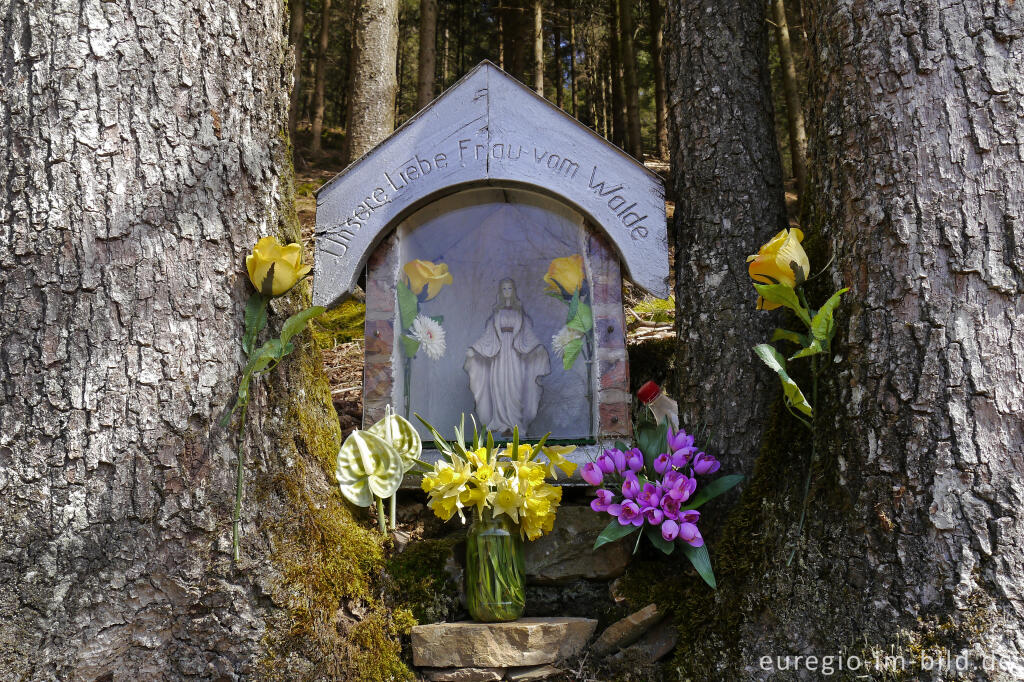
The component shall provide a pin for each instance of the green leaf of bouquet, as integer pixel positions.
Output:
(573, 306)
(714, 489)
(583, 322)
(297, 322)
(410, 346)
(783, 295)
(614, 531)
(572, 350)
(408, 306)
(701, 561)
(255, 320)
(772, 358)
(787, 335)
(812, 349)
(654, 535)
(620, 446)
(821, 325)
(263, 356)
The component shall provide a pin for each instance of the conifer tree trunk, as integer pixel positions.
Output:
(727, 184)
(794, 110)
(557, 82)
(427, 52)
(321, 77)
(298, 41)
(537, 40)
(134, 185)
(371, 104)
(634, 143)
(619, 134)
(572, 62)
(657, 10)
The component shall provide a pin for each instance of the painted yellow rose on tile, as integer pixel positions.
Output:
(423, 273)
(566, 273)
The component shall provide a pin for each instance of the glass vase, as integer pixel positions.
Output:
(494, 569)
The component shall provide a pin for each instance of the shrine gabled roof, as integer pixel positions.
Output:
(489, 129)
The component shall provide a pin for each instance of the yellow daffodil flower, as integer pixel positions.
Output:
(556, 459)
(781, 261)
(474, 497)
(423, 273)
(274, 269)
(565, 272)
(507, 501)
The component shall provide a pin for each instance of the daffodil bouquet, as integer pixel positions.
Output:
(480, 474)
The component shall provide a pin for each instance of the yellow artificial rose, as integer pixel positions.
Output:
(420, 273)
(274, 269)
(781, 261)
(565, 272)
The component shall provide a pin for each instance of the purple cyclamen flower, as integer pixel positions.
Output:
(592, 474)
(661, 463)
(606, 463)
(631, 486)
(603, 501)
(679, 440)
(649, 496)
(653, 515)
(669, 530)
(690, 535)
(635, 459)
(670, 506)
(705, 464)
(629, 513)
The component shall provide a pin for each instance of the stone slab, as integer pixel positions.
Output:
(566, 553)
(533, 674)
(624, 632)
(465, 674)
(525, 642)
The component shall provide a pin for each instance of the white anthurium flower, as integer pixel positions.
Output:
(368, 466)
(400, 435)
(430, 334)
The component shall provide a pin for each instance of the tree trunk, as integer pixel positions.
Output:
(298, 41)
(727, 184)
(794, 111)
(557, 82)
(537, 39)
(634, 142)
(619, 135)
(428, 52)
(572, 63)
(658, 67)
(143, 156)
(913, 544)
(321, 77)
(445, 70)
(501, 37)
(371, 104)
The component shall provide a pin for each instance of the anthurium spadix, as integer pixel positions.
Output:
(366, 467)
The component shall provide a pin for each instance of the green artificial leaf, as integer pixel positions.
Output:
(297, 322)
(255, 320)
(620, 446)
(783, 295)
(651, 439)
(438, 318)
(654, 535)
(714, 489)
(701, 561)
(811, 349)
(786, 335)
(821, 325)
(408, 306)
(794, 396)
(573, 305)
(572, 350)
(583, 322)
(612, 532)
(410, 346)
(263, 356)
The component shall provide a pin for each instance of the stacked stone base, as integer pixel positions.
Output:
(524, 650)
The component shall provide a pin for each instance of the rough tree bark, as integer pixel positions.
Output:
(320, 79)
(144, 152)
(634, 143)
(794, 110)
(657, 10)
(727, 185)
(298, 42)
(557, 70)
(537, 40)
(428, 52)
(371, 105)
(915, 540)
(619, 135)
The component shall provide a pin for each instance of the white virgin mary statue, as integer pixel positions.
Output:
(505, 365)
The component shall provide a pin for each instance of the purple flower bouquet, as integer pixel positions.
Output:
(657, 487)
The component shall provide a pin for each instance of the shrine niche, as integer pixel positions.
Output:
(492, 229)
